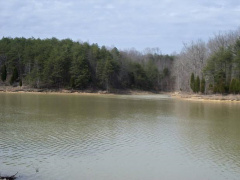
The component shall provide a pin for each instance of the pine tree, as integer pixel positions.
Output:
(232, 86)
(110, 68)
(197, 84)
(14, 76)
(203, 84)
(20, 83)
(72, 83)
(80, 72)
(100, 73)
(237, 86)
(192, 82)
(4, 73)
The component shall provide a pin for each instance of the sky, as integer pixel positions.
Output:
(126, 24)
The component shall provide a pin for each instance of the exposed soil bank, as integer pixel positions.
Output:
(206, 97)
(26, 89)
(179, 95)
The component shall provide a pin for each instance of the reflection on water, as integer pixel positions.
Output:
(118, 137)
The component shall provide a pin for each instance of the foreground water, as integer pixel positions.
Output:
(118, 137)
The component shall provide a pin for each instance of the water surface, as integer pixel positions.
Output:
(120, 137)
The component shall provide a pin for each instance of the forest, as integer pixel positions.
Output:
(210, 67)
(54, 63)
(201, 67)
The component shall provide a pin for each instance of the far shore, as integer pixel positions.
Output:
(25, 89)
(176, 95)
(206, 97)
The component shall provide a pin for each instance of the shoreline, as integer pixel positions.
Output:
(9, 89)
(206, 97)
(174, 95)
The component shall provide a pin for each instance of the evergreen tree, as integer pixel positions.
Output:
(72, 83)
(203, 84)
(80, 72)
(197, 84)
(14, 76)
(237, 86)
(192, 82)
(100, 73)
(140, 77)
(219, 68)
(220, 79)
(4, 73)
(55, 63)
(20, 83)
(153, 74)
(236, 52)
(232, 86)
(111, 67)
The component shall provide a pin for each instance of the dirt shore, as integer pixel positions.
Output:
(26, 89)
(206, 97)
(177, 95)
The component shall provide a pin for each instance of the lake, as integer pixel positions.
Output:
(118, 137)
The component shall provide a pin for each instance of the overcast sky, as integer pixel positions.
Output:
(122, 23)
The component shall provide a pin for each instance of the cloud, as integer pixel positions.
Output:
(125, 24)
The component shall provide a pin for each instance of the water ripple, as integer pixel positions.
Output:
(120, 138)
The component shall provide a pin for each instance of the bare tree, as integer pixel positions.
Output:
(192, 59)
(223, 40)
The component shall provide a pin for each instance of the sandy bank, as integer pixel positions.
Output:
(25, 89)
(206, 97)
(177, 95)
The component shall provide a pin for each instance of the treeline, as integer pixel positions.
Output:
(212, 67)
(53, 63)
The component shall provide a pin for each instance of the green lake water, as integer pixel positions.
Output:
(118, 137)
